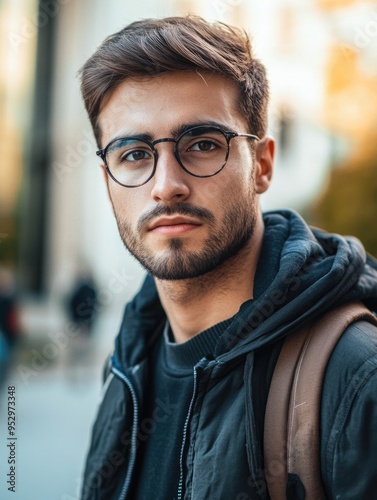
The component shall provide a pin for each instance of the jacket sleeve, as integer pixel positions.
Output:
(354, 468)
(349, 454)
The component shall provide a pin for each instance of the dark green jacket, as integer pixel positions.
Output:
(301, 273)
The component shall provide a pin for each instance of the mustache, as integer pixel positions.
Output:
(178, 209)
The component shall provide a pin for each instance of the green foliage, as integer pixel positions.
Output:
(8, 239)
(349, 204)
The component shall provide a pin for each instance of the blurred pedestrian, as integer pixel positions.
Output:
(81, 308)
(9, 323)
(82, 303)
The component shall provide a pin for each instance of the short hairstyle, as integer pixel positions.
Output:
(153, 47)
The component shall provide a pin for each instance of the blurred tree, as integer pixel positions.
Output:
(349, 203)
(8, 239)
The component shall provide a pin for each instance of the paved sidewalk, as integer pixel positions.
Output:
(55, 408)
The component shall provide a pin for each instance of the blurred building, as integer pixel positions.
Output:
(321, 57)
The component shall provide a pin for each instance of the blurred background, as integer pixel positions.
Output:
(59, 245)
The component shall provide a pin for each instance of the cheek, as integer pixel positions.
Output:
(239, 183)
(243, 165)
(222, 192)
(125, 203)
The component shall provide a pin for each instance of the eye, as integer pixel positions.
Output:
(136, 155)
(203, 145)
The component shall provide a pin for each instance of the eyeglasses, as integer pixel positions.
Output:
(201, 151)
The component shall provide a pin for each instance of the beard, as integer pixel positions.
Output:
(225, 240)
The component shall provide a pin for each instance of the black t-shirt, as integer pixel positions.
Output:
(161, 427)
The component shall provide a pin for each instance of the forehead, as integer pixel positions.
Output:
(160, 104)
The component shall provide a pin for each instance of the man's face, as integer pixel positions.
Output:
(179, 226)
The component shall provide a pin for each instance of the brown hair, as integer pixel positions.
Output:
(153, 47)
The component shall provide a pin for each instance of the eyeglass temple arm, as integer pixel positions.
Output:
(251, 136)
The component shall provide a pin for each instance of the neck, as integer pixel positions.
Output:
(218, 294)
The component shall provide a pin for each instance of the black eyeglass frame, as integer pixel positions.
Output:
(227, 134)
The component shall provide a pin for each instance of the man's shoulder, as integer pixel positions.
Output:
(357, 345)
(355, 355)
(349, 410)
(351, 368)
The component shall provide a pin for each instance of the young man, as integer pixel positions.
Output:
(178, 107)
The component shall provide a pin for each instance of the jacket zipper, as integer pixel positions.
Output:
(180, 484)
(131, 465)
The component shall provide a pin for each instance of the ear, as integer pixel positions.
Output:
(265, 154)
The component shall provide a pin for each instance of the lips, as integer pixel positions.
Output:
(174, 225)
(173, 221)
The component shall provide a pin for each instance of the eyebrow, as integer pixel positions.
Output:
(181, 129)
(175, 132)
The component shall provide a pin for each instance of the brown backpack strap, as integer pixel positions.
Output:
(291, 433)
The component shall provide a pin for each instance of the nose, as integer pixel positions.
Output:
(170, 181)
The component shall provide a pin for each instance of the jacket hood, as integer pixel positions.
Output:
(302, 272)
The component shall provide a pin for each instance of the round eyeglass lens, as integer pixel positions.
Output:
(203, 151)
(130, 161)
